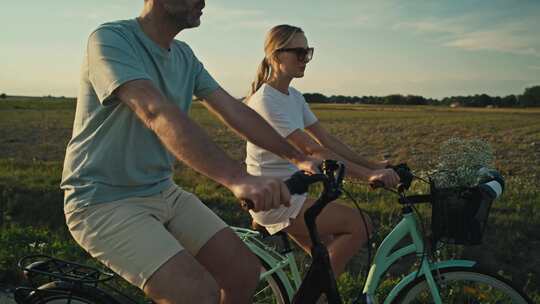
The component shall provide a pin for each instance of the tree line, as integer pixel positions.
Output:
(529, 98)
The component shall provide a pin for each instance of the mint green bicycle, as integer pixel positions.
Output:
(449, 281)
(459, 217)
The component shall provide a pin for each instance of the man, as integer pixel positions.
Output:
(121, 204)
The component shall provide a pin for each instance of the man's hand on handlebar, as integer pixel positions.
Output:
(261, 193)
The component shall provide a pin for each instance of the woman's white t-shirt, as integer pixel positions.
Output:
(285, 113)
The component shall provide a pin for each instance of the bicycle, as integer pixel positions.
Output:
(433, 282)
(449, 281)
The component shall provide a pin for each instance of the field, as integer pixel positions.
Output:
(34, 134)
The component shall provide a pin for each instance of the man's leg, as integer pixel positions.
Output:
(235, 268)
(182, 280)
(215, 246)
(129, 237)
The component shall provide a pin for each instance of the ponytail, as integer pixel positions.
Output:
(263, 73)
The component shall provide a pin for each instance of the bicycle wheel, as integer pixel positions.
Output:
(461, 285)
(270, 290)
(61, 293)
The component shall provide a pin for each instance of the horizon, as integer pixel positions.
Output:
(372, 48)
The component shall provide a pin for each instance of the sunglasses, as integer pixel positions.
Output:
(302, 54)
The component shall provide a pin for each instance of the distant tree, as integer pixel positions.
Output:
(395, 99)
(531, 97)
(509, 101)
(480, 100)
(527, 101)
(3, 96)
(533, 91)
(315, 97)
(415, 100)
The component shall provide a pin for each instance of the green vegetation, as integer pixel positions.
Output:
(529, 98)
(35, 132)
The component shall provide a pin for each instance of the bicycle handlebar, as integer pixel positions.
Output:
(405, 178)
(332, 177)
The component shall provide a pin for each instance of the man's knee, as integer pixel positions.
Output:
(182, 280)
(232, 264)
(248, 269)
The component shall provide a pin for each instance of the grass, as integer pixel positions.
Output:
(35, 132)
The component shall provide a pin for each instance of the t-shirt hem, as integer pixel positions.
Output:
(78, 204)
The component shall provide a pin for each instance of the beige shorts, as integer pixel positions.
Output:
(135, 236)
(275, 220)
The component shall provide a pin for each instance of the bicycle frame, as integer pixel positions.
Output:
(277, 262)
(385, 257)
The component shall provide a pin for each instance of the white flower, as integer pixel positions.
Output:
(460, 161)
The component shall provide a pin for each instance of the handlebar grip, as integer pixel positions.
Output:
(405, 176)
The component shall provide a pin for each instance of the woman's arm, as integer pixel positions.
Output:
(330, 142)
(305, 143)
(251, 126)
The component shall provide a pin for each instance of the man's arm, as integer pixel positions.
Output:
(190, 144)
(251, 126)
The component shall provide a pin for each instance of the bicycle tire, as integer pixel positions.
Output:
(63, 293)
(461, 285)
(271, 290)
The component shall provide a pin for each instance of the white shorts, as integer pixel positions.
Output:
(277, 219)
(135, 236)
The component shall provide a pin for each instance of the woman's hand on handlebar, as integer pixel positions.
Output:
(310, 165)
(387, 178)
(261, 193)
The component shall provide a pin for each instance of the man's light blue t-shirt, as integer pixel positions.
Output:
(112, 155)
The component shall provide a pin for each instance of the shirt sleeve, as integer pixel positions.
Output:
(309, 117)
(205, 84)
(112, 61)
(275, 115)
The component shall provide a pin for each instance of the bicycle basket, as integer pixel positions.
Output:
(459, 215)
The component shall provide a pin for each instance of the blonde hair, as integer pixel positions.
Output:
(278, 37)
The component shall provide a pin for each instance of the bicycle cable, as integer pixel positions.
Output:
(368, 238)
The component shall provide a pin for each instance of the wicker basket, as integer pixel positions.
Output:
(459, 215)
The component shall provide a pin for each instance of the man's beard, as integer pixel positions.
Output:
(187, 18)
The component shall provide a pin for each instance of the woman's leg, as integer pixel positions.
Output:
(341, 226)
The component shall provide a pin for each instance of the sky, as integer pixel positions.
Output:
(362, 47)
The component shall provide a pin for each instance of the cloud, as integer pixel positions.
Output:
(228, 19)
(502, 41)
(426, 26)
(470, 34)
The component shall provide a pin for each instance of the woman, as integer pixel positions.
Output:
(286, 55)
